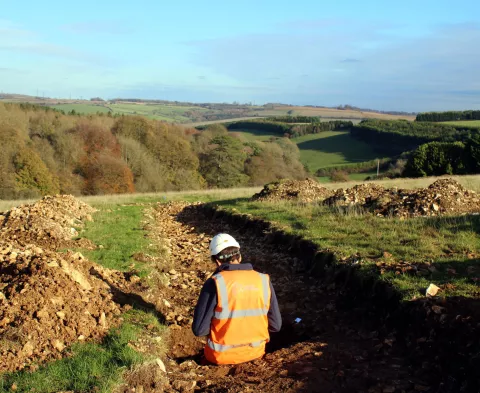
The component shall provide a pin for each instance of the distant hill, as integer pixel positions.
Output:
(190, 113)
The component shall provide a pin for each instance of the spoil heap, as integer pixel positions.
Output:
(445, 196)
(48, 301)
(360, 194)
(297, 190)
(47, 223)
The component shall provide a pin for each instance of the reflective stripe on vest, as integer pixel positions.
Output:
(223, 348)
(226, 313)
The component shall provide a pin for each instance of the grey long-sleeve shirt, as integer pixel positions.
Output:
(207, 301)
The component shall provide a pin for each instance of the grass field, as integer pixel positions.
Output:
(255, 135)
(464, 123)
(82, 108)
(170, 113)
(332, 148)
(326, 149)
(353, 177)
(281, 110)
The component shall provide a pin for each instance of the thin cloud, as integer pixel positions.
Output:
(311, 24)
(16, 39)
(12, 70)
(427, 71)
(99, 27)
(52, 50)
(12, 31)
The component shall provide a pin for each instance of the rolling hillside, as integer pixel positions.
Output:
(332, 148)
(323, 150)
(192, 114)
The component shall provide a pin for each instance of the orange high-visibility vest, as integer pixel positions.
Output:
(239, 328)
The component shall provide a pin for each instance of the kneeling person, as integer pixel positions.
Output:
(237, 307)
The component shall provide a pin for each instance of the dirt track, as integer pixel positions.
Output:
(331, 350)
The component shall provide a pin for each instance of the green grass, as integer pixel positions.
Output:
(463, 123)
(325, 149)
(255, 135)
(361, 176)
(91, 367)
(355, 177)
(172, 113)
(447, 242)
(81, 108)
(118, 230)
(332, 148)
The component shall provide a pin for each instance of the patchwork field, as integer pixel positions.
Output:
(195, 115)
(331, 113)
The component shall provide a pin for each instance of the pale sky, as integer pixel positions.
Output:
(409, 55)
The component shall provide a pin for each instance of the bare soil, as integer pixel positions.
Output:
(49, 299)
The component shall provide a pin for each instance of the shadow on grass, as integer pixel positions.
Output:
(455, 223)
(342, 144)
(132, 299)
(279, 215)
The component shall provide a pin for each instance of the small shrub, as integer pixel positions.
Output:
(339, 176)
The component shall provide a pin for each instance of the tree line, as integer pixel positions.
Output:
(47, 152)
(449, 116)
(290, 130)
(392, 137)
(295, 119)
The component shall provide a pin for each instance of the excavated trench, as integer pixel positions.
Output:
(332, 349)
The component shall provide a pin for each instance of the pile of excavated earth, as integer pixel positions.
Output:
(294, 190)
(49, 223)
(444, 196)
(48, 299)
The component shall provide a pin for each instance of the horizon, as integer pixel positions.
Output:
(407, 57)
(134, 99)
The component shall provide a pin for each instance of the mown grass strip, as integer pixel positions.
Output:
(450, 244)
(118, 233)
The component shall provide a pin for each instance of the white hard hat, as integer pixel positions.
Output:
(220, 242)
